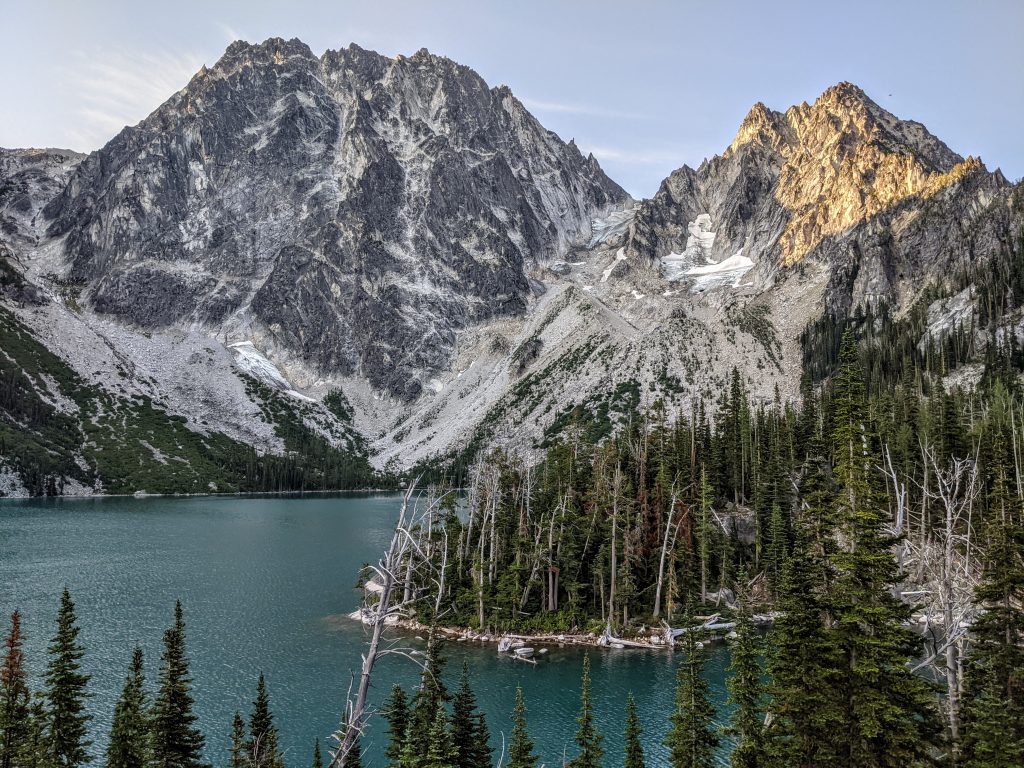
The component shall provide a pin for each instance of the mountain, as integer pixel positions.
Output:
(300, 266)
(350, 212)
(879, 201)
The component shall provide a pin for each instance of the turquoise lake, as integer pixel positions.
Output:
(265, 583)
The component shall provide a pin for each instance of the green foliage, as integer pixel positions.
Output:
(995, 666)
(430, 697)
(262, 749)
(177, 743)
(520, 748)
(396, 712)
(746, 693)
(130, 733)
(440, 749)
(633, 749)
(470, 736)
(692, 739)
(587, 737)
(132, 444)
(66, 694)
(239, 755)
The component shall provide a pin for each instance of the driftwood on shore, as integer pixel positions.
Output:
(663, 640)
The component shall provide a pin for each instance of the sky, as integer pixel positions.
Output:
(646, 86)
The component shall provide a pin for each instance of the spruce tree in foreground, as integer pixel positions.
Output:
(693, 739)
(177, 743)
(318, 760)
(520, 748)
(396, 712)
(429, 697)
(633, 749)
(469, 727)
(587, 737)
(239, 758)
(803, 661)
(994, 716)
(745, 692)
(37, 746)
(441, 750)
(262, 748)
(889, 717)
(15, 700)
(130, 735)
(66, 692)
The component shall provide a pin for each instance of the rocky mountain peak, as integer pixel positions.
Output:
(794, 184)
(349, 214)
(763, 127)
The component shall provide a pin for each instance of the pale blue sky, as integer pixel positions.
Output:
(646, 86)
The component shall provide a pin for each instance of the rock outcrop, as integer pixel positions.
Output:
(877, 199)
(351, 212)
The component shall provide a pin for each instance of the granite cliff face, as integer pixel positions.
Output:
(349, 212)
(411, 266)
(879, 201)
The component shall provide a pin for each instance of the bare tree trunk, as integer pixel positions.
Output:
(379, 614)
(615, 536)
(664, 553)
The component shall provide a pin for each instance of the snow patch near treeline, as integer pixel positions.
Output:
(694, 267)
(250, 360)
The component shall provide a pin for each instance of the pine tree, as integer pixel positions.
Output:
(745, 692)
(994, 716)
(469, 727)
(239, 756)
(15, 701)
(587, 737)
(262, 747)
(396, 712)
(889, 713)
(633, 748)
(37, 750)
(130, 733)
(803, 665)
(66, 692)
(441, 750)
(692, 740)
(430, 696)
(177, 743)
(520, 748)
(318, 761)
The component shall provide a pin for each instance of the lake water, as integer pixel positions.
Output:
(265, 582)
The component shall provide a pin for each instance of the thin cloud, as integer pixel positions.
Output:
(536, 105)
(668, 157)
(115, 88)
(231, 34)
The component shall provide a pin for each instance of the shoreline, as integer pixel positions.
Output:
(655, 642)
(211, 494)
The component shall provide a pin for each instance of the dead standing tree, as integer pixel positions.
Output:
(943, 560)
(953, 570)
(409, 559)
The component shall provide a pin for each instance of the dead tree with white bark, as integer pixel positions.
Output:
(417, 554)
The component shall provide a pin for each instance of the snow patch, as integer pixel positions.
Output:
(620, 256)
(250, 360)
(698, 245)
(727, 272)
(945, 315)
(610, 225)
